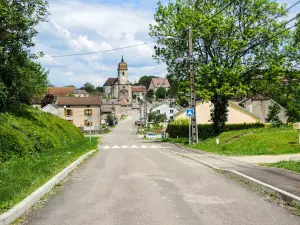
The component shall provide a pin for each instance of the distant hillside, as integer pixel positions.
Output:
(27, 130)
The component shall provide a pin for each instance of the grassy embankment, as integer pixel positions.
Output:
(260, 141)
(34, 146)
(289, 165)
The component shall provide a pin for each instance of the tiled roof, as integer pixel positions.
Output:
(138, 88)
(77, 101)
(60, 91)
(160, 82)
(110, 81)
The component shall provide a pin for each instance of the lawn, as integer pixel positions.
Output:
(259, 141)
(289, 165)
(21, 176)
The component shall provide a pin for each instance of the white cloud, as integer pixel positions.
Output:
(79, 27)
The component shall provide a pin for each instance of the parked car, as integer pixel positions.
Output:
(151, 135)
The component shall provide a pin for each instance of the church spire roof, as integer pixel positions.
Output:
(122, 65)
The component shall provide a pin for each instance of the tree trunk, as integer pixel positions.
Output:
(219, 112)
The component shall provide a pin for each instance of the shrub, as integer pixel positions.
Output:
(26, 130)
(181, 130)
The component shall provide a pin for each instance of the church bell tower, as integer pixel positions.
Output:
(122, 72)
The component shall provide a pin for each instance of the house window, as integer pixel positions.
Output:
(123, 73)
(68, 112)
(171, 111)
(158, 111)
(88, 123)
(88, 112)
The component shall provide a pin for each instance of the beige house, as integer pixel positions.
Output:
(78, 110)
(159, 82)
(236, 114)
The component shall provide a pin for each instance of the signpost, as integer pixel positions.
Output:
(190, 113)
(297, 127)
(90, 120)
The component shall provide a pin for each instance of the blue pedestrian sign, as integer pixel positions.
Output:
(190, 112)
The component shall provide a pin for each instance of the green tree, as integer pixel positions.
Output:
(145, 81)
(150, 94)
(99, 89)
(20, 77)
(239, 44)
(89, 87)
(48, 99)
(273, 115)
(160, 93)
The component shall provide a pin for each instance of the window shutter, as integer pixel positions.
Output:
(85, 121)
(71, 112)
(91, 112)
(85, 112)
(91, 123)
(65, 112)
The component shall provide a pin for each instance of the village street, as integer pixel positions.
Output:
(139, 182)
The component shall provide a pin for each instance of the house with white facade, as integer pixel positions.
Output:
(166, 108)
(80, 93)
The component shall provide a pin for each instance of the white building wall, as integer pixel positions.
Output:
(107, 90)
(165, 109)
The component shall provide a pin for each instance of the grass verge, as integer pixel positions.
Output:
(260, 141)
(19, 177)
(289, 165)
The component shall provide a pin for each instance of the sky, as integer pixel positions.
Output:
(79, 26)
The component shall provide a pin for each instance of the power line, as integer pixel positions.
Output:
(108, 50)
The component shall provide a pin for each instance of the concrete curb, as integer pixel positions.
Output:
(279, 193)
(22, 207)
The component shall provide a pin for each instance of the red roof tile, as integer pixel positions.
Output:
(79, 101)
(160, 82)
(60, 91)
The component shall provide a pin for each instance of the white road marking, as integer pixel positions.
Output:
(134, 146)
(144, 146)
(115, 146)
(106, 147)
(124, 146)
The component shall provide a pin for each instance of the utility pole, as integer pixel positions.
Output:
(145, 115)
(194, 127)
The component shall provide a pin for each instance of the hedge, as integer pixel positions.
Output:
(26, 130)
(206, 130)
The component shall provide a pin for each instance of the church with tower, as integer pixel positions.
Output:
(119, 88)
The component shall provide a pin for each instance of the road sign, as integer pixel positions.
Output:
(190, 112)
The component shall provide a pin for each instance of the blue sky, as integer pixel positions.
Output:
(77, 26)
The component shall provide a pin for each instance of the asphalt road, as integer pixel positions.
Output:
(130, 182)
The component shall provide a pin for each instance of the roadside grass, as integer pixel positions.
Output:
(19, 177)
(289, 165)
(259, 141)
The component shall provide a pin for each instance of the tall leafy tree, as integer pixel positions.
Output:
(160, 93)
(234, 43)
(145, 81)
(20, 76)
(89, 87)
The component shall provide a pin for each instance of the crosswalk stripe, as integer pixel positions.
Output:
(106, 147)
(134, 146)
(144, 146)
(125, 146)
(115, 146)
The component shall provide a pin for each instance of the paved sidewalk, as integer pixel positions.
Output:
(279, 178)
(268, 158)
